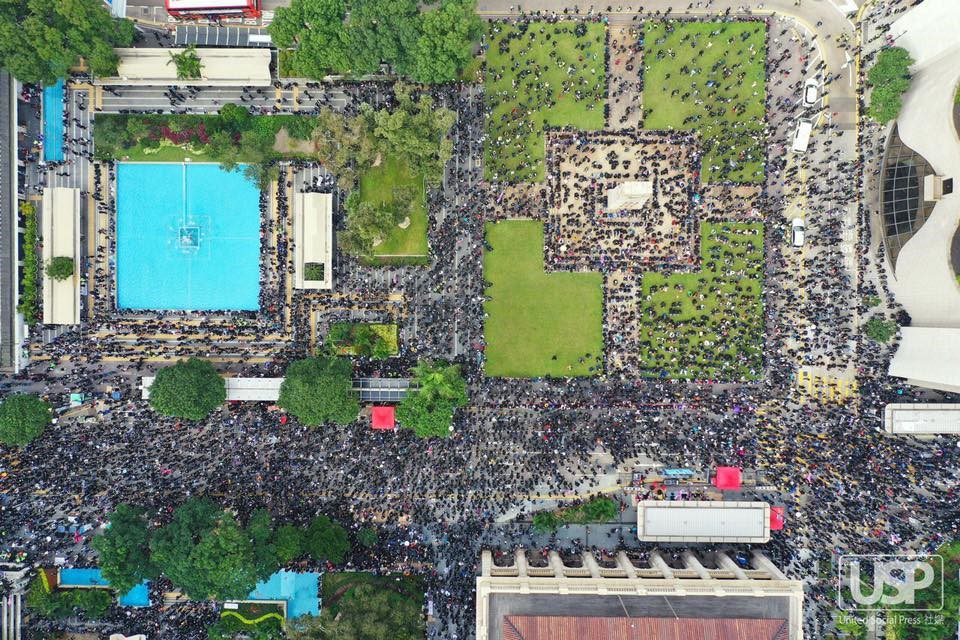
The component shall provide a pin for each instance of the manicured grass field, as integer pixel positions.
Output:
(708, 325)
(538, 324)
(527, 72)
(709, 76)
(376, 186)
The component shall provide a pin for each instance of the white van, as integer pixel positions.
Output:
(801, 137)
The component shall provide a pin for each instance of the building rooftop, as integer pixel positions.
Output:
(624, 628)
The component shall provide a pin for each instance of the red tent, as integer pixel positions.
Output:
(777, 518)
(382, 418)
(727, 478)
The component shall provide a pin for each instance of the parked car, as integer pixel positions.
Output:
(797, 227)
(811, 92)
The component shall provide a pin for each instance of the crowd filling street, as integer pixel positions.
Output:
(520, 444)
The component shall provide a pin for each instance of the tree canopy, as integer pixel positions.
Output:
(880, 329)
(431, 46)
(188, 63)
(124, 549)
(416, 130)
(41, 40)
(23, 417)
(325, 540)
(205, 552)
(320, 390)
(364, 613)
(890, 79)
(189, 389)
(60, 267)
(445, 45)
(428, 408)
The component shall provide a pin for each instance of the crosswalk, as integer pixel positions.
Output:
(825, 388)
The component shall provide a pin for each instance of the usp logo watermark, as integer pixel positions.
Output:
(867, 583)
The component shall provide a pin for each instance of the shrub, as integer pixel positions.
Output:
(880, 329)
(60, 267)
(31, 262)
(313, 271)
(890, 79)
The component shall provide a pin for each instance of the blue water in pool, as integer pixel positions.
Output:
(298, 589)
(188, 238)
(53, 122)
(139, 596)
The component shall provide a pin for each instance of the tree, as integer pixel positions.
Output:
(60, 267)
(188, 63)
(23, 417)
(364, 613)
(415, 130)
(386, 30)
(890, 79)
(189, 389)
(880, 329)
(93, 602)
(40, 41)
(322, 44)
(124, 549)
(223, 563)
(368, 537)
(428, 408)
(440, 380)
(320, 390)
(447, 37)
(427, 419)
(205, 552)
(260, 531)
(289, 543)
(326, 541)
(170, 545)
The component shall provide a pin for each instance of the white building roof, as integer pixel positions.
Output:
(242, 389)
(313, 238)
(703, 521)
(922, 419)
(927, 357)
(220, 66)
(629, 196)
(60, 231)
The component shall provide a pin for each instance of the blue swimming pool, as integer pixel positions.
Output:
(82, 578)
(300, 590)
(188, 238)
(53, 122)
(139, 596)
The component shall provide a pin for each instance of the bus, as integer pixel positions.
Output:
(801, 138)
(213, 9)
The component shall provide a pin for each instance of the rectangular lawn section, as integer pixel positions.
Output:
(538, 324)
(376, 186)
(707, 325)
(710, 77)
(537, 74)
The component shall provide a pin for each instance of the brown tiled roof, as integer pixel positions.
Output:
(587, 628)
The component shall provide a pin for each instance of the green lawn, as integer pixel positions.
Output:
(680, 59)
(376, 186)
(335, 586)
(708, 325)
(537, 323)
(543, 77)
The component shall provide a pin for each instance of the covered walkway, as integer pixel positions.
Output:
(268, 389)
(219, 67)
(61, 238)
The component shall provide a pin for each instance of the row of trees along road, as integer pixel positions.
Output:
(429, 46)
(41, 39)
(206, 552)
(317, 391)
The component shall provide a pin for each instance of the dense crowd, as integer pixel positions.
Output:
(846, 485)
